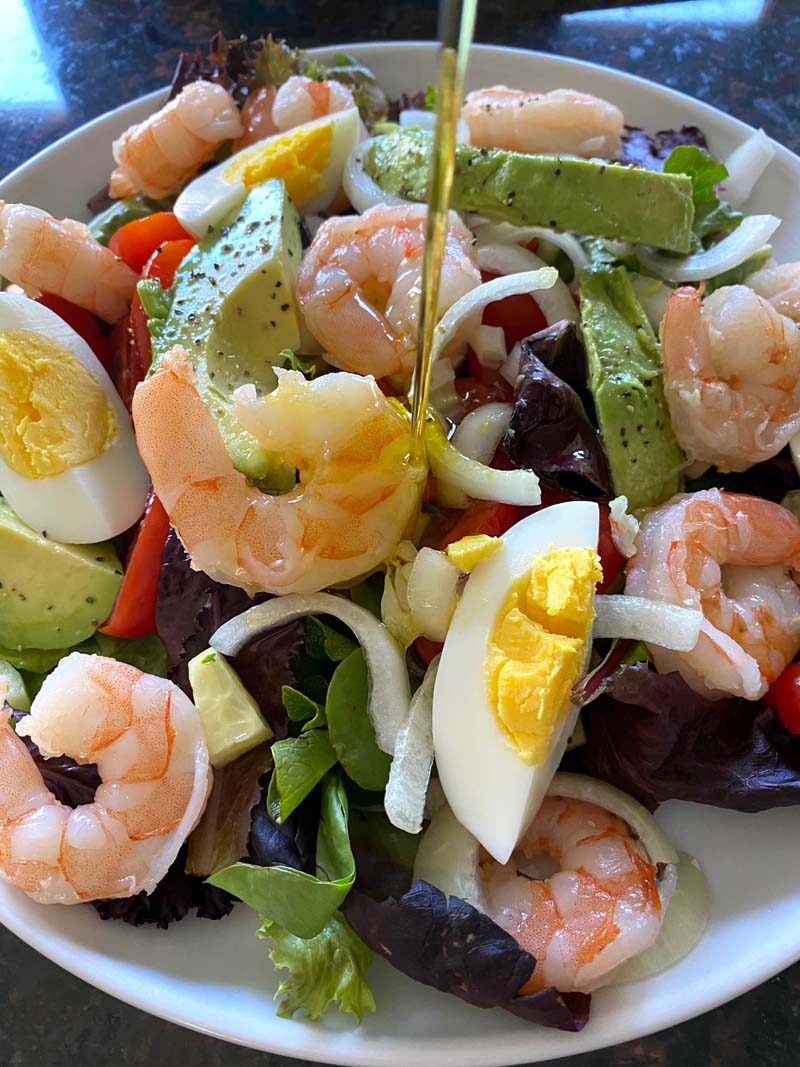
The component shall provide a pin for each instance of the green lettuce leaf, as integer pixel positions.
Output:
(737, 275)
(323, 642)
(325, 970)
(351, 732)
(121, 212)
(301, 708)
(711, 215)
(17, 695)
(147, 653)
(302, 903)
(300, 764)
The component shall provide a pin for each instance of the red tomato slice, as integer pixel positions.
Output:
(134, 613)
(137, 241)
(517, 316)
(82, 322)
(784, 696)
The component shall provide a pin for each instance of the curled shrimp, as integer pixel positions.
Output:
(302, 99)
(356, 492)
(729, 556)
(60, 256)
(257, 117)
(780, 284)
(561, 122)
(731, 376)
(158, 156)
(602, 907)
(146, 738)
(359, 285)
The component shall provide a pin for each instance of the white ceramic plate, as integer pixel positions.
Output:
(215, 977)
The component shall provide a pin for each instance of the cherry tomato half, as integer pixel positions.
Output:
(136, 241)
(784, 696)
(517, 316)
(82, 322)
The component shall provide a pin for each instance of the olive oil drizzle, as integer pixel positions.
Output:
(456, 27)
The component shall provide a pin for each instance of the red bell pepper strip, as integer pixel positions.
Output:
(134, 612)
(136, 242)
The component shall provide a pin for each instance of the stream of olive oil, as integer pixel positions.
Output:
(456, 26)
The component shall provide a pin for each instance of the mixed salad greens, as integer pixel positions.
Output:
(259, 656)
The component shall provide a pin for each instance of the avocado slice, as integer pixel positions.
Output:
(16, 695)
(231, 718)
(51, 595)
(624, 362)
(232, 307)
(623, 203)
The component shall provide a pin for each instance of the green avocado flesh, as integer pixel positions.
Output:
(623, 203)
(624, 363)
(232, 308)
(51, 595)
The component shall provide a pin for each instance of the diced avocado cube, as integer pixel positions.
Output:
(231, 719)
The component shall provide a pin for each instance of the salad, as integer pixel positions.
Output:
(254, 653)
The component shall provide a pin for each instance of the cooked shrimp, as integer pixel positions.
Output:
(60, 256)
(780, 284)
(561, 122)
(603, 906)
(157, 156)
(301, 100)
(146, 738)
(359, 285)
(731, 376)
(257, 117)
(729, 556)
(356, 491)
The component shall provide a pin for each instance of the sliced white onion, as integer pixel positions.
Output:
(361, 190)
(753, 233)
(396, 615)
(624, 527)
(653, 295)
(389, 692)
(745, 165)
(476, 479)
(506, 233)
(432, 592)
(639, 619)
(406, 790)
(443, 396)
(479, 433)
(682, 927)
(555, 301)
(489, 345)
(510, 369)
(459, 321)
(426, 120)
(447, 858)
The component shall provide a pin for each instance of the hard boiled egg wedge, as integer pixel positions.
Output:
(69, 466)
(310, 160)
(517, 643)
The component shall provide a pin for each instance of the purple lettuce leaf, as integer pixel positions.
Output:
(220, 838)
(550, 432)
(291, 843)
(655, 738)
(642, 149)
(173, 898)
(448, 944)
(190, 607)
(71, 783)
(772, 479)
(265, 665)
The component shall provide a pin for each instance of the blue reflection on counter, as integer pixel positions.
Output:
(26, 78)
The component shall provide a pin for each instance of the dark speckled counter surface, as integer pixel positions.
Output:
(65, 61)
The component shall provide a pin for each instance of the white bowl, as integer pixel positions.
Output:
(215, 977)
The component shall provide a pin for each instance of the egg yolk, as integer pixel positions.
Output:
(54, 414)
(299, 157)
(537, 647)
(468, 552)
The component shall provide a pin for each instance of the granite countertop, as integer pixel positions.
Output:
(66, 61)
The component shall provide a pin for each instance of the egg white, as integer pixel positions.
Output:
(210, 197)
(91, 501)
(491, 790)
